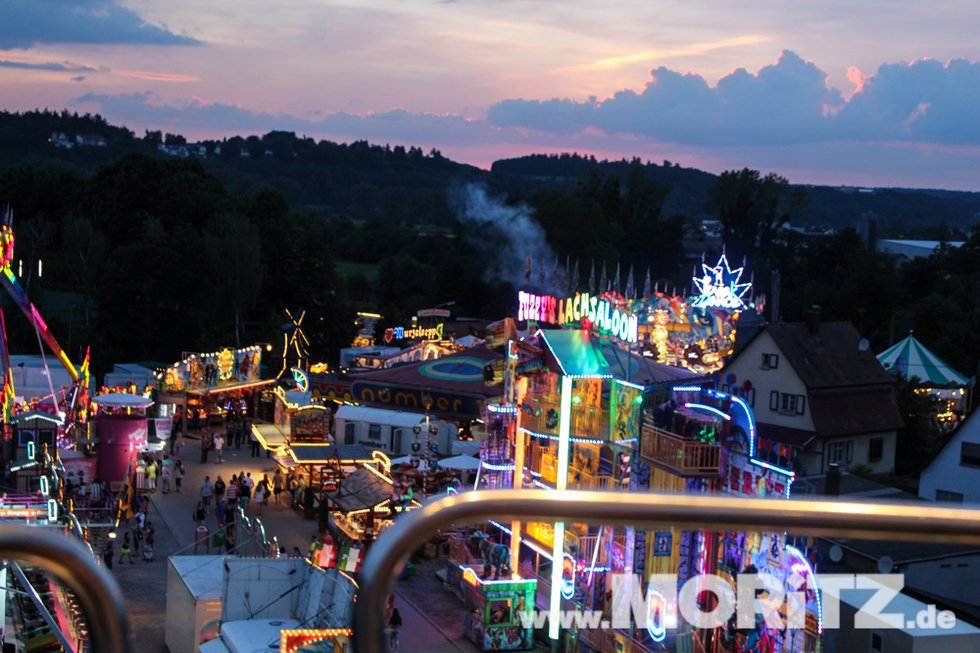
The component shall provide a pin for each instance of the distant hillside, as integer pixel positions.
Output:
(898, 210)
(407, 186)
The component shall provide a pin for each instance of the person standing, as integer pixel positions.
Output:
(219, 444)
(255, 443)
(151, 477)
(205, 447)
(165, 473)
(395, 627)
(277, 484)
(108, 551)
(207, 490)
(178, 475)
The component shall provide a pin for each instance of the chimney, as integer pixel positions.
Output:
(813, 319)
(831, 486)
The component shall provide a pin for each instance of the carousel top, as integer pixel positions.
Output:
(122, 400)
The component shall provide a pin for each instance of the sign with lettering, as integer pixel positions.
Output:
(720, 287)
(411, 333)
(412, 399)
(580, 309)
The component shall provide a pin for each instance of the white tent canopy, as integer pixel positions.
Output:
(909, 358)
(468, 463)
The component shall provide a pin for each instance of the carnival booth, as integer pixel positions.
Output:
(121, 426)
(296, 418)
(210, 389)
(910, 359)
(495, 599)
(364, 504)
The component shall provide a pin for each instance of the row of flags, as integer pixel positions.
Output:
(347, 558)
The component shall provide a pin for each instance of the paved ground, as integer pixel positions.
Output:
(432, 616)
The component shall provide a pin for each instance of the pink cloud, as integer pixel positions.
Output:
(157, 77)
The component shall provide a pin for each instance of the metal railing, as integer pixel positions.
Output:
(72, 564)
(643, 510)
(686, 456)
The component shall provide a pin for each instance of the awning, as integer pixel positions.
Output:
(230, 387)
(362, 490)
(270, 436)
(313, 454)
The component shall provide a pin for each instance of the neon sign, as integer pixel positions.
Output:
(302, 381)
(401, 333)
(720, 287)
(568, 577)
(582, 308)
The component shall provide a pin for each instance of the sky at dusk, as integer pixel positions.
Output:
(867, 93)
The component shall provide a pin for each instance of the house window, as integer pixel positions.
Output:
(945, 496)
(876, 449)
(374, 431)
(786, 403)
(877, 643)
(840, 452)
(770, 361)
(970, 454)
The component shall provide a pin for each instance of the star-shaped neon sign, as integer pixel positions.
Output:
(720, 287)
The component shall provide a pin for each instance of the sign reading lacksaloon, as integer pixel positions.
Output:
(582, 308)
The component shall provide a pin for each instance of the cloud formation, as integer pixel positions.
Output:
(24, 23)
(907, 121)
(786, 103)
(66, 67)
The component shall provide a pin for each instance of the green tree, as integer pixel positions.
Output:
(752, 208)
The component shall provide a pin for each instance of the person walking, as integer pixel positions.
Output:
(395, 627)
(200, 513)
(126, 551)
(260, 495)
(219, 444)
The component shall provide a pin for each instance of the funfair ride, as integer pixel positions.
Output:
(68, 407)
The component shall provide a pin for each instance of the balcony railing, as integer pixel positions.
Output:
(643, 510)
(686, 457)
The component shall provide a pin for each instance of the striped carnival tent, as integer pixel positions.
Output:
(909, 358)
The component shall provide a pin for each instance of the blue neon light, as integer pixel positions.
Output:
(710, 409)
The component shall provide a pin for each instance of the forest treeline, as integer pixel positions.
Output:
(147, 255)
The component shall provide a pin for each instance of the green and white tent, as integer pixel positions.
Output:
(910, 358)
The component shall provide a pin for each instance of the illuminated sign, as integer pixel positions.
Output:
(568, 577)
(582, 308)
(401, 333)
(19, 513)
(302, 381)
(720, 287)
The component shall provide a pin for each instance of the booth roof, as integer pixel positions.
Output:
(378, 416)
(459, 373)
(362, 489)
(122, 400)
(305, 454)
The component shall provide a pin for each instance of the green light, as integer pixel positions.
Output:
(638, 399)
(577, 399)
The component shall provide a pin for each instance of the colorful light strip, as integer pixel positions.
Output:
(564, 446)
(810, 577)
(710, 409)
(558, 437)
